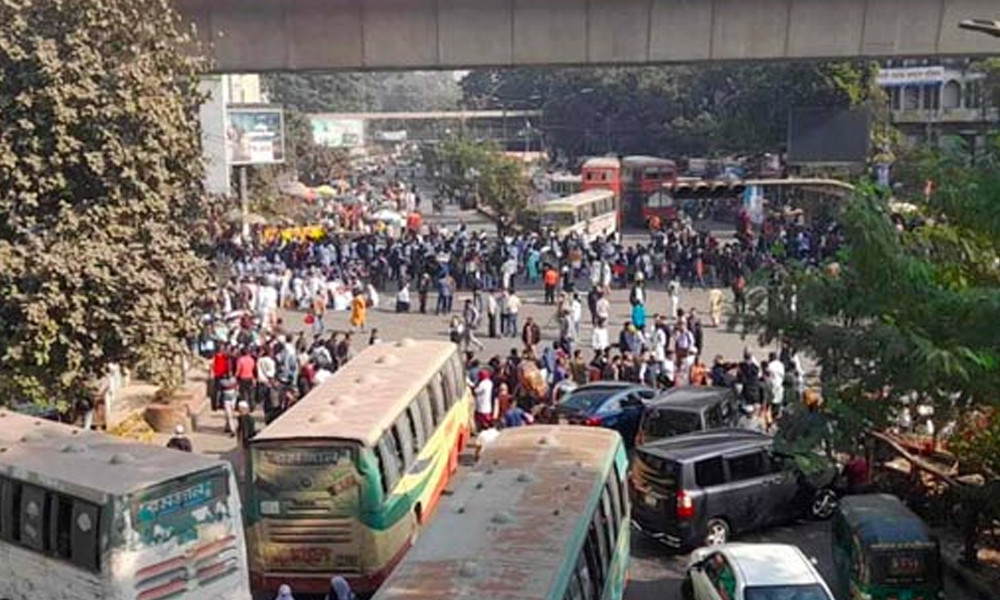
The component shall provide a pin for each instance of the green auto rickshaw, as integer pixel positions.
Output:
(882, 551)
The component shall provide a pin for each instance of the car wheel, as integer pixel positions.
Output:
(823, 505)
(687, 589)
(716, 532)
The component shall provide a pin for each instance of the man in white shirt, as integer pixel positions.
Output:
(484, 401)
(513, 308)
(603, 308)
(775, 372)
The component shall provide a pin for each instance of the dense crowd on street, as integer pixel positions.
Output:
(257, 361)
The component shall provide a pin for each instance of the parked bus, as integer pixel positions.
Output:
(562, 184)
(544, 516)
(340, 482)
(644, 183)
(84, 515)
(588, 214)
(602, 173)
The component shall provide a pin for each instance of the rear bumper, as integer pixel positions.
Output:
(680, 537)
(319, 583)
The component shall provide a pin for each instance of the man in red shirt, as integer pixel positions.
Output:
(220, 369)
(246, 374)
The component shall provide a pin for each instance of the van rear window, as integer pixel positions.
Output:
(663, 423)
(661, 474)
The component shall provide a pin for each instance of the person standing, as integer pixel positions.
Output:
(715, 299)
(423, 288)
(318, 312)
(674, 291)
(775, 374)
(513, 309)
(551, 280)
(246, 374)
(576, 314)
(340, 590)
(359, 311)
(245, 426)
(230, 393)
(220, 370)
(484, 401)
(492, 311)
(531, 334)
(740, 294)
(266, 371)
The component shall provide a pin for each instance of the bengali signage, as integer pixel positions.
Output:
(910, 76)
(307, 458)
(255, 135)
(337, 133)
(174, 502)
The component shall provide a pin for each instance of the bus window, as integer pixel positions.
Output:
(32, 514)
(610, 523)
(60, 526)
(404, 440)
(86, 530)
(586, 577)
(426, 416)
(595, 560)
(611, 488)
(388, 462)
(416, 427)
(574, 589)
(438, 404)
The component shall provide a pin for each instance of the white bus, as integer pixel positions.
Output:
(588, 214)
(86, 516)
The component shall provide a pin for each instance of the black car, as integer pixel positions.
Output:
(688, 410)
(699, 489)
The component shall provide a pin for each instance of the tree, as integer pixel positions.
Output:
(466, 167)
(100, 171)
(906, 315)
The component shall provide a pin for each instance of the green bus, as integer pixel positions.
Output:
(544, 515)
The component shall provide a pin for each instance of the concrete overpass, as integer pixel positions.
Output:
(263, 35)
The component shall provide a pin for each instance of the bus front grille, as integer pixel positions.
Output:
(309, 531)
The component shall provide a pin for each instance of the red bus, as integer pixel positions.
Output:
(646, 181)
(604, 173)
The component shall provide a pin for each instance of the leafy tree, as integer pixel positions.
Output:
(100, 170)
(466, 167)
(906, 315)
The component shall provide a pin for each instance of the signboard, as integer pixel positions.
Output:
(910, 76)
(255, 135)
(337, 133)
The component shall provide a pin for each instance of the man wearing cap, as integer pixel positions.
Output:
(180, 441)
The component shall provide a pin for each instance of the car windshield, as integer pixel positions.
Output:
(662, 423)
(786, 592)
(585, 400)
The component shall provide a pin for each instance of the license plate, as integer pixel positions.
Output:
(650, 500)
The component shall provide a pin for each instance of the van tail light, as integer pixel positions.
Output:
(592, 422)
(685, 505)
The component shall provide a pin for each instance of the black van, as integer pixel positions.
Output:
(699, 489)
(688, 409)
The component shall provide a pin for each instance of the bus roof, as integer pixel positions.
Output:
(601, 162)
(647, 161)
(364, 397)
(573, 201)
(504, 532)
(88, 464)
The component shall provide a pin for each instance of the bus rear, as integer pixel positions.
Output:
(186, 539)
(315, 512)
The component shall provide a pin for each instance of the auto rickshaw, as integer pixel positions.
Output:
(883, 551)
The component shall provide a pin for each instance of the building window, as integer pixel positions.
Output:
(951, 95)
(911, 98)
(932, 97)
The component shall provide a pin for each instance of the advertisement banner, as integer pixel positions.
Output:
(910, 76)
(255, 135)
(337, 133)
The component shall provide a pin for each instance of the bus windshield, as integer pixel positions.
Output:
(174, 510)
(310, 481)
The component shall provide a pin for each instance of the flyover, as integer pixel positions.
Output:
(266, 35)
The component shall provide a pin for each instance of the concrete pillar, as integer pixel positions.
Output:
(213, 134)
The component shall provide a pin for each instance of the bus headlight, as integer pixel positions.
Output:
(270, 507)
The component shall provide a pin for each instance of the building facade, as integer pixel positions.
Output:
(939, 102)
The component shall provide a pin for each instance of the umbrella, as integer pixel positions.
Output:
(296, 188)
(327, 191)
(388, 216)
(236, 216)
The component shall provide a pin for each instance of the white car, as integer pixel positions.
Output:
(753, 572)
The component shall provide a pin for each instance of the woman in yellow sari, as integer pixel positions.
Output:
(359, 311)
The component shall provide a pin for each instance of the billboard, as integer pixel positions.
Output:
(337, 132)
(831, 136)
(910, 76)
(255, 134)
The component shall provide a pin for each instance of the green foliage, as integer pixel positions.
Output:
(910, 314)
(670, 110)
(100, 170)
(469, 167)
(363, 92)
